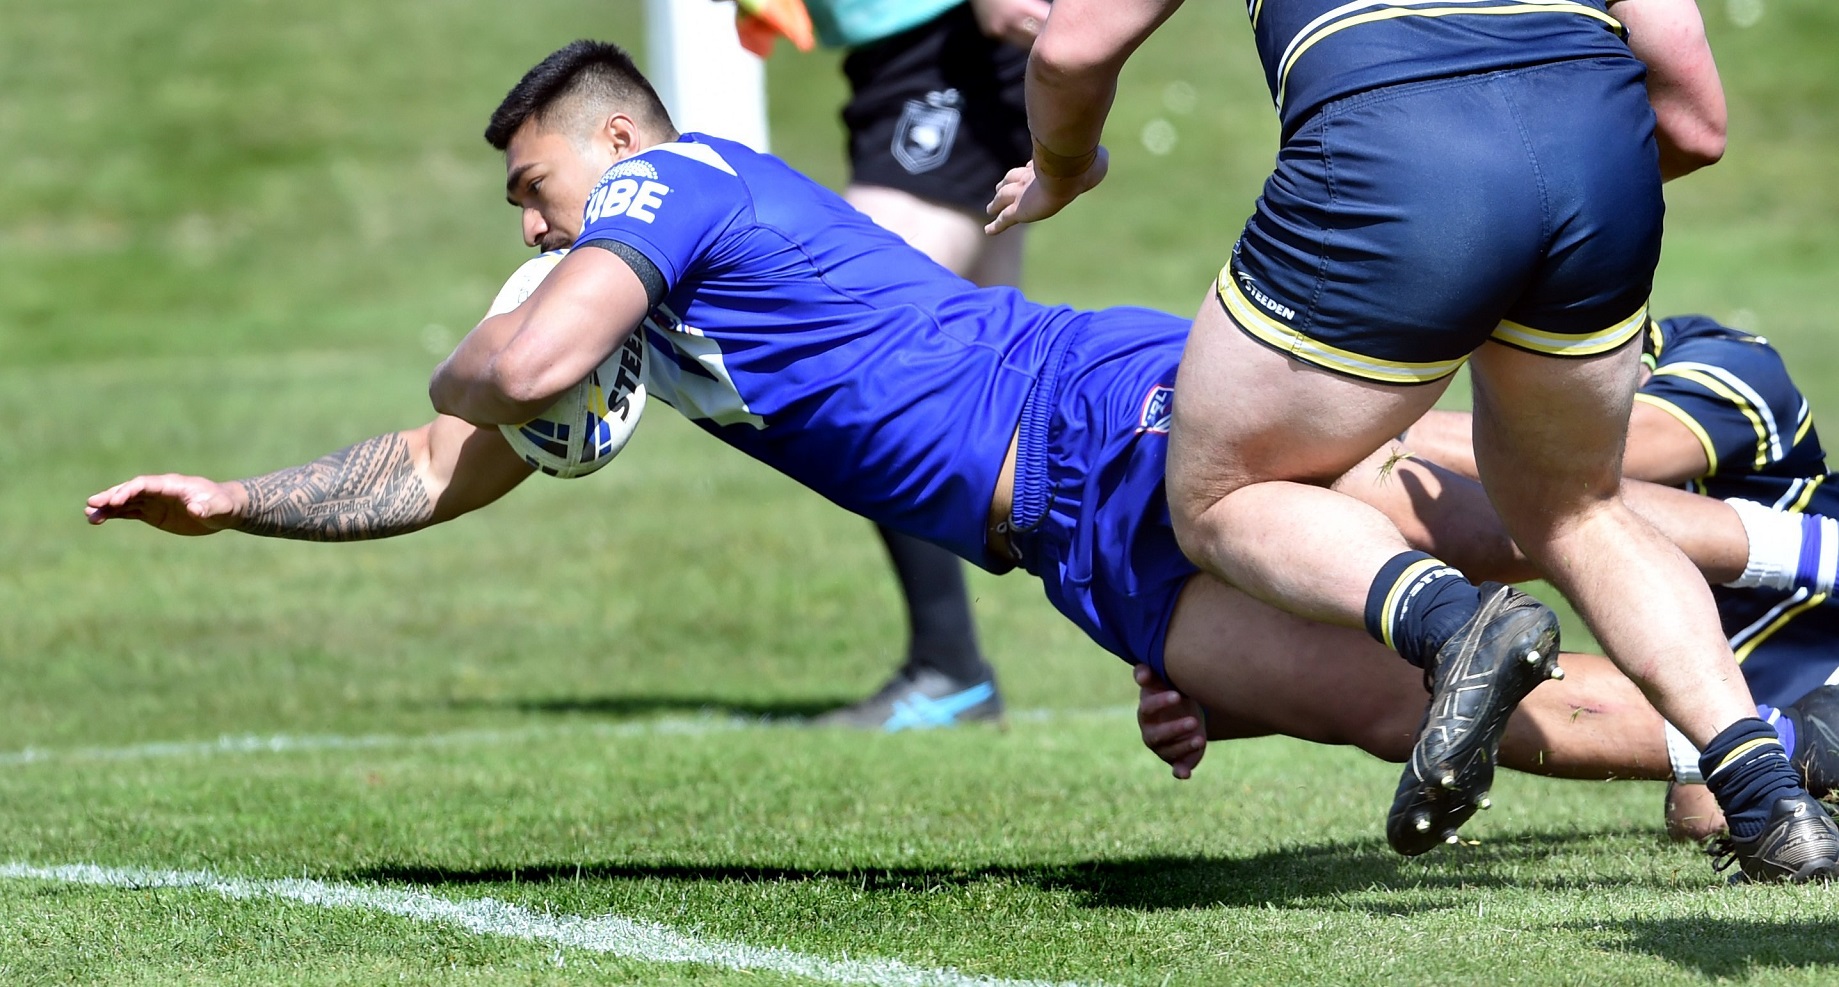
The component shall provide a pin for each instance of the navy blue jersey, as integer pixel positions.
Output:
(1732, 391)
(802, 334)
(1315, 51)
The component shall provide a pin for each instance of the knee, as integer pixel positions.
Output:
(1535, 525)
(1189, 506)
(1387, 734)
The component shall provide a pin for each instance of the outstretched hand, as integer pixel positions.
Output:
(181, 505)
(1025, 196)
(1173, 725)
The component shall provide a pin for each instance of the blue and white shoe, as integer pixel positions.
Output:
(921, 700)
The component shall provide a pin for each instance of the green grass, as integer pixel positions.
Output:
(234, 235)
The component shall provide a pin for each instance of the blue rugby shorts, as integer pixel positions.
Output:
(1091, 514)
(1406, 226)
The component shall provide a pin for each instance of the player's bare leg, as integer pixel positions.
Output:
(1261, 671)
(953, 237)
(1451, 517)
(1548, 445)
(1257, 437)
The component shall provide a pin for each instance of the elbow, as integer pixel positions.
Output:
(502, 394)
(1706, 148)
(525, 386)
(1693, 141)
(1058, 63)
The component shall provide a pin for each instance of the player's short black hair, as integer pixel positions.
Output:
(600, 72)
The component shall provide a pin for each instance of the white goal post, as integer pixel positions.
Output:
(706, 79)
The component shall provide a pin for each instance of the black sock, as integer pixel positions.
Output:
(1417, 603)
(943, 636)
(1747, 770)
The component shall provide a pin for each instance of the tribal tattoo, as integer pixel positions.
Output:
(368, 490)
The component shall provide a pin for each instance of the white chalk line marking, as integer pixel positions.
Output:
(611, 934)
(230, 744)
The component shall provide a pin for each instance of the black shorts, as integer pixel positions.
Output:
(937, 111)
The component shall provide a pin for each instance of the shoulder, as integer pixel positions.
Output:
(679, 178)
(1696, 344)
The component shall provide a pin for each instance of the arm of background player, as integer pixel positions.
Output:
(513, 366)
(1682, 81)
(1446, 438)
(390, 485)
(1071, 82)
(1661, 448)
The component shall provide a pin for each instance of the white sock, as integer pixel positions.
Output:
(1787, 551)
(1685, 758)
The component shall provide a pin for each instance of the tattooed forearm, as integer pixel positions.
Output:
(369, 490)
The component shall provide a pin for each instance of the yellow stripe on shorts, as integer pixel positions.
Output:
(1561, 344)
(1260, 326)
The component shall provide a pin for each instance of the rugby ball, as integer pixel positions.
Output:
(591, 422)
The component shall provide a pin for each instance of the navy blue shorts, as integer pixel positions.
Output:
(1091, 514)
(1406, 226)
(1787, 644)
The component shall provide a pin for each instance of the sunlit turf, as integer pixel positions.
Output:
(236, 235)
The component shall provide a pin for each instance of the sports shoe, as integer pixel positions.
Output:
(1481, 674)
(921, 699)
(1816, 740)
(1799, 844)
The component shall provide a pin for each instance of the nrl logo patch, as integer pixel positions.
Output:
(1158, 410)
(924, 135)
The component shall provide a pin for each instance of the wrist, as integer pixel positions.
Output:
(1049, 163)
(237, 492)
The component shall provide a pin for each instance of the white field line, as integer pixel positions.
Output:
(613, 934)
(295, 743)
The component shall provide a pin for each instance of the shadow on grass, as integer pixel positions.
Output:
(1727, 948)
(634, 707)
(1330, 875)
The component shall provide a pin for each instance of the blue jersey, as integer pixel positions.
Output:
(1733, 392)
(809, 338)
(1315, 51)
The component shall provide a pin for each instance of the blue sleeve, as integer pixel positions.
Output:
(1734, 393)
(671, 203)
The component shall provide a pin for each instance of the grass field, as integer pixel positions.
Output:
(545, 745)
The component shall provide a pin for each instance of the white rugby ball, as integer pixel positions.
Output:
(591, 422)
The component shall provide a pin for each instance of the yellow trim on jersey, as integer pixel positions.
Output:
(1777, 624)
(1263, 328)
(1711, 452)
(1650, 354)
(1800, 503)
(1571, 345)
(1805, 426)
(1742, 749)
(1726, 392)
(1257, 8)
(1406, 578)
(1324, 26)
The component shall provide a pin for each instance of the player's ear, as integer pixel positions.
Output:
(622, 135)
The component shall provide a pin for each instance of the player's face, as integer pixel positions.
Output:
(549, 175)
